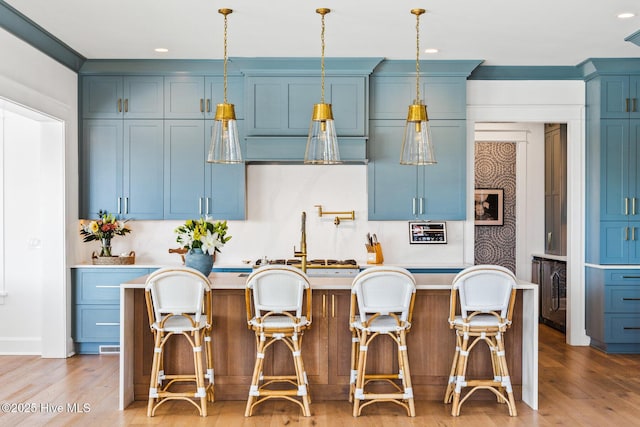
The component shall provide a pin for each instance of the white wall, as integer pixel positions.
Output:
(32, 79)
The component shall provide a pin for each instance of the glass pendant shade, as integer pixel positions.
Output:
(322, 143)
(225, 142)
(417, 147)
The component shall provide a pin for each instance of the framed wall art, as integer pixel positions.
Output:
(489, 206)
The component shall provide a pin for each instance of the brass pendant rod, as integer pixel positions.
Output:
(225, 12)
(417, 12)
(322, 11)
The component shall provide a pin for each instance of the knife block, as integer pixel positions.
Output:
(374, 254)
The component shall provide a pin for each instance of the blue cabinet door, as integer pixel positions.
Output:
(143, 169)
(102, 97)
(225, 185)
(392, 187)
(282, 105)
(184, 169)
(214, 94)
(614, 158)
(445, 97)
(143, 97)
(619, 97)
(443, 186)
(112, 97)
(101, 153)
(184, 98)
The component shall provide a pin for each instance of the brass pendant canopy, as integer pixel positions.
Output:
(225, 141)
(417, 146)
(322, 143)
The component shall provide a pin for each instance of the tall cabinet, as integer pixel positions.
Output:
(613, 204)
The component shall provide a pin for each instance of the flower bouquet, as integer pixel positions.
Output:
(202, 239)
(103, 229)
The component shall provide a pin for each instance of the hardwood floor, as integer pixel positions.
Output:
(579, 386)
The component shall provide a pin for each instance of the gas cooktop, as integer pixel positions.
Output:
(318, 267)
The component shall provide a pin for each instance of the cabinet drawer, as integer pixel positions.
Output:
(102, 286)
(97, 323)
(622, 277)
(622, 328)
(622, 299)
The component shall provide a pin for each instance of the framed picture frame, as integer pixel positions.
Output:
(489, 206)
(427, 232)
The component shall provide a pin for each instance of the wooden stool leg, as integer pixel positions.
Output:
(211, 397)
(300, 375)
(448, 395)
(254, 390)
(406, 372)
(201, 392)
(358, 393)
(461, 370)
(155, 368)
(506, 379)
(355, 341)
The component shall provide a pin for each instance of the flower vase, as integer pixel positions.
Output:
(198, 260)
(105, 250)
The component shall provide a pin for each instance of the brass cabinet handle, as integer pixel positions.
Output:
(549, 234)
(633, 206)
(126, 105)
(633, 233)
(119, 105)
(626, 233)
(324, 305)
(208, 105)
(626, 105)
(333, 305)
(201, 105)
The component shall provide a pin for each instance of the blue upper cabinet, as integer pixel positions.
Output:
(117, 97)
(400, 192)
(196, 97)
(445, 97)
(194, 188)
(619, 97)
(122, 168)
(282, 105)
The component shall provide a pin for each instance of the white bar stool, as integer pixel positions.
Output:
(274, 300)
(382, 301)
(487, 295)
(179, 303)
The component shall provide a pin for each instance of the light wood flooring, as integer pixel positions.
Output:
(579, 386)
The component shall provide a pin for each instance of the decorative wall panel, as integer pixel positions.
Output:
(495, 167)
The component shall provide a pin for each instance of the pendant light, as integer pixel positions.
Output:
(417, 147)
(225, 142)
(322, 143)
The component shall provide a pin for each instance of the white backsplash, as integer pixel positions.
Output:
(276, 197)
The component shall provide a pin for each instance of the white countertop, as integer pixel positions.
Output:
(234, 280)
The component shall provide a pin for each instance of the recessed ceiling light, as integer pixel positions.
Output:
(431, 50)
(161, 50)
(626, 15)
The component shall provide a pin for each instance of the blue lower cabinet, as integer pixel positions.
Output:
(613, 309)
(96, 307)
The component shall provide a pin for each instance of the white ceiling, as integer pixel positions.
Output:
(500, 32)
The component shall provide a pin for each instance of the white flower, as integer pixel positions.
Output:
(210, 242)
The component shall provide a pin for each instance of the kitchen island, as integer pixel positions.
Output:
(327, 346)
